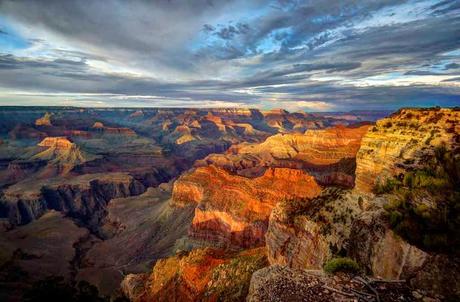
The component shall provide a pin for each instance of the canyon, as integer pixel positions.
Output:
(230, 204)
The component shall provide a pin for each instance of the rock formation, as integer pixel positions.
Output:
(83, 196)
(232, 210)
(327, 154)
(398, 142)
(201, 275)
(44, 121)
(380, 222)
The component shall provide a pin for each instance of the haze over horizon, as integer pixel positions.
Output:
(295, 55)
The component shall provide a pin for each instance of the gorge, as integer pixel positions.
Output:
(230, 204)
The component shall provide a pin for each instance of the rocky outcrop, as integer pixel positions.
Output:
(201, 275)
(234, 210)
(44, 121)
(280, 283)
(146, 226)
(61, 154)
(327, 154)
(84, 197)
(399, 141)
(304, 234)
(386, 255)
(113, 130)
(59, 143)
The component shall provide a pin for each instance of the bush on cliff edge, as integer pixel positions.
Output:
(342, 264)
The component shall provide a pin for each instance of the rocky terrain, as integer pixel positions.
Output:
(231, 210)
(231, 204)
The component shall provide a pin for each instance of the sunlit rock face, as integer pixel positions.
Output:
(234, 210)
(399, 141)
(361, 225)
(326, 154)
(200, 275)
(304, 234)
(44, 121)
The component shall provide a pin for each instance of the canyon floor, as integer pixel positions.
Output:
(229, 205)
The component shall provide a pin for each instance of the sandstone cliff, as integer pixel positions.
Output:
(232, 210)
(392, 222)
(398, 142)
(326, 154)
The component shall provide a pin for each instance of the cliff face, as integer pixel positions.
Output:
(201, 275)
(234, 210)
(406, 179)
(304, 234)
(398, 142)
(326, 154)
(147, 228)
(83, 196)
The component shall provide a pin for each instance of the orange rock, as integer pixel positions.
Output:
(98, 125)
(234, 210)
(201, 275)
(59, 142)
(328, 154)
(44, 121)
(400, 139)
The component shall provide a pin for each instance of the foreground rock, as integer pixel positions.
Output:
(201, 275)
(278, 283)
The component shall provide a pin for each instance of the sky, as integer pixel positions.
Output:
(325, 55)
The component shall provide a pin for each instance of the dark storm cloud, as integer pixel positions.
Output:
(220, 50)
(452, 66)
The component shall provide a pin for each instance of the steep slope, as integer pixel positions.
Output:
(84, 197)
(201, 275)
(137, 231)
(326, 154)
(232, 210)
(401, 219)
(399, 142)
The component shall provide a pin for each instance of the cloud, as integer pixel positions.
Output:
(325, 54)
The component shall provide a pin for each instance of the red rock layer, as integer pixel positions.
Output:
(233, 210)
(201, 275)
(328, 154)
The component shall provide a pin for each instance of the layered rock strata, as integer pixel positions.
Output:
(232, 210)
(84, 196)
(398, 142)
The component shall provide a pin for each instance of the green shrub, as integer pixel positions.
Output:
(342, 264)
(387, 186)
(408, 180)
(395, 218)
